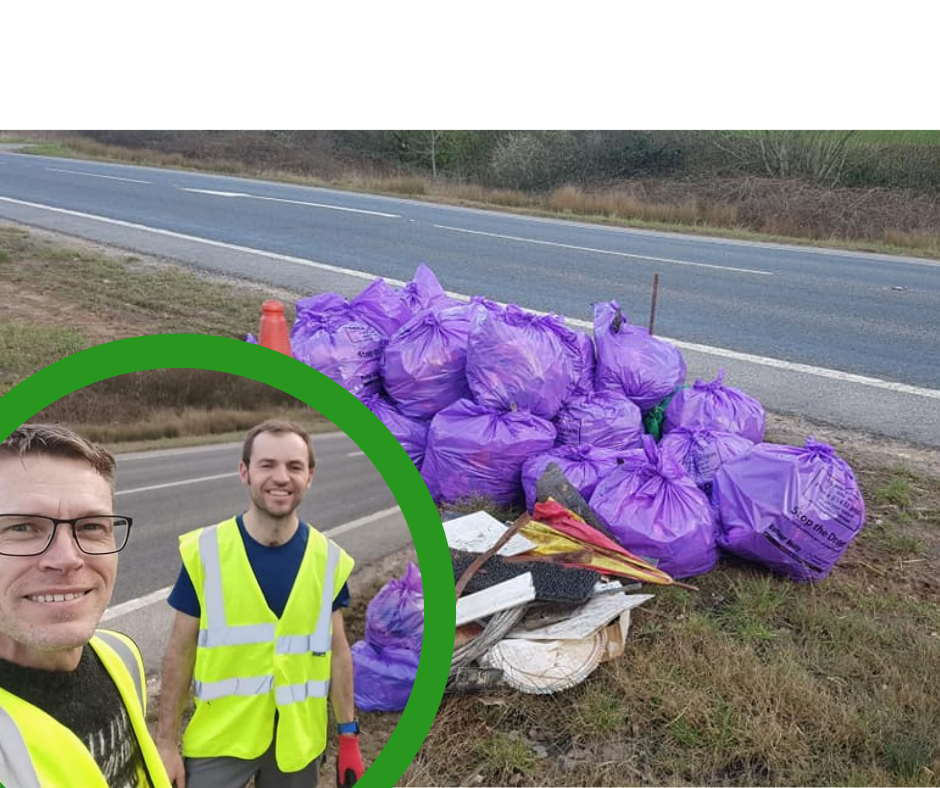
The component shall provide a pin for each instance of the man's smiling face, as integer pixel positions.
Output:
(50, 604)
(278, 475)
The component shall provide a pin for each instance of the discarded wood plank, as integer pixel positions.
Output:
(518, 591)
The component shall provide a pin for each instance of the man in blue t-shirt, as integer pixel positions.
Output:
(277, 468)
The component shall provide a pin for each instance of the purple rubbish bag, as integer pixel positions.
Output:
(386, 662)
(395, 615)
(517, 358)
(411, 433)
(714, 406)
(583, 465)
(655, 510)
(329, 337)
(383, 677)
(425, 292)
(701, 452)
(382, 307)
(606, 419)
(794, 510)
(644, 368)
(579, 348)
(474, 450)
(424, 363)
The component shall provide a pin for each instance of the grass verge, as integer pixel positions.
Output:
(63, 296)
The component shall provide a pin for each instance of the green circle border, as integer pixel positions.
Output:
(198, 351)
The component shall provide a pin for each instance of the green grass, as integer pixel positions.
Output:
(25, 348)
(505, 754)
(894, 492)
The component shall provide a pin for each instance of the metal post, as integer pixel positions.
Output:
(653, 304)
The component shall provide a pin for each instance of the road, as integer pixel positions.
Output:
(170, 492)
(844, 338)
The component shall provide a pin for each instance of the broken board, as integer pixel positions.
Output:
(583, 622)
(477, 532)
(520, 590)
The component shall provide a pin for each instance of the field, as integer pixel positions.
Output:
(752, 680)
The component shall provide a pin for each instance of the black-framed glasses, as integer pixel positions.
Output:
(31, 534)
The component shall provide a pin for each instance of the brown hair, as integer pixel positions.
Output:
(54, 440)
(277, 427)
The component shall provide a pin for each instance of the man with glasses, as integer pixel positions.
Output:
(72, 698)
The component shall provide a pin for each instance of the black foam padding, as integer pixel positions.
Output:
(553, 583)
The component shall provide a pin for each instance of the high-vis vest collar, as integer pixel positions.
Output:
(251, 664)
(36, 751)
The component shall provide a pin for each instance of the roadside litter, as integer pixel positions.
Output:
(385, 663)
(649, 478)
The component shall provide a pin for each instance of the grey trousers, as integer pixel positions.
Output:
(236, 772)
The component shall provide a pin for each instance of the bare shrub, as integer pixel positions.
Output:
(132, 397)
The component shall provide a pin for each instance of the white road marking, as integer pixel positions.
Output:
(333, 269)
(176, 484)
(762, 360)
(295, 202)
(353, 524)
(95, 175)
(133, 605)
(790, 366)
(214, 193)
(604, 251)
(356, 454)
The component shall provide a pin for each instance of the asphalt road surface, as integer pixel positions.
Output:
(174, 491)
(848, 339)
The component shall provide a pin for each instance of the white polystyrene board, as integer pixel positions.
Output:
(520, 590)
(584, 621)
(479, 531)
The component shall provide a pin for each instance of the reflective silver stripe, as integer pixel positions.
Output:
(244, 685)
(16, 768)
(243, 635)
(322, 641)
(296, 644)
(128, 658)
(212, 586)
(295, 693)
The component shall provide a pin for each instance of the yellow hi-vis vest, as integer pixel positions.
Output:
(37, 751)
(249, 662)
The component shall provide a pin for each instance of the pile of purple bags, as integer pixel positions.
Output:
(484, 397)
(386, 662)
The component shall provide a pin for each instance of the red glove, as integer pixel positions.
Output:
(349, 767)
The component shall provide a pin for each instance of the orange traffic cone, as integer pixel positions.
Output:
(274, 333)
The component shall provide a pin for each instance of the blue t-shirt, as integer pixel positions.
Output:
(275, 568)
